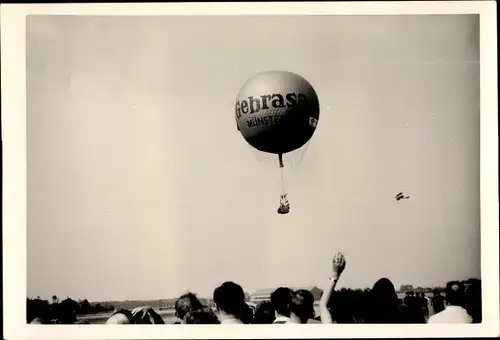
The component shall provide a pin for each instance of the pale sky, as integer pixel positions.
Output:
(140, 186)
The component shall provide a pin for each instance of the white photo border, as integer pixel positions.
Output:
(13, 70)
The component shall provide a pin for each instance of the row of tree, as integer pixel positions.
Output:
(410, 288)
(64, 311)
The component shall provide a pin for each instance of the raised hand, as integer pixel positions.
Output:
(338, 265)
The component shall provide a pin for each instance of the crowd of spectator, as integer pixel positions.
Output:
(461, 303)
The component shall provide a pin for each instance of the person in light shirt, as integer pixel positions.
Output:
(454, 311)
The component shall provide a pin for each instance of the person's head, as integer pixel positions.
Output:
(186, 303)
(302, 305)
(455, 293)
(67, 311)
(201, 316)
(264, 313)
(281, 299)
(382, 304)
(383, 291)
(246, 314)
(146, 315)
(230, 299)
(120, 317)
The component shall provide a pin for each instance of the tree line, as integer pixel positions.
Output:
(409, 288)
(64, 311)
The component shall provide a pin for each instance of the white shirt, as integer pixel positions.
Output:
(281, 319)
(451, 314)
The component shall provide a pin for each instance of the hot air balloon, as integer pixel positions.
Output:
(276, 113)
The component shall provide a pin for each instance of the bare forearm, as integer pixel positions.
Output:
(325, 299)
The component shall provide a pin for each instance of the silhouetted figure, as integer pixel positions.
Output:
(229, 299)
(67, 311)
(474, 301)
(264, 313)
(302, 307)
(425, 304)
(407, 299)
(247, 314)
(38, 309)
(185, 304)
(437, 302)
(281, 299)
(383, 304)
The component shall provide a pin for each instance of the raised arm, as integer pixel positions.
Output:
(338, 268)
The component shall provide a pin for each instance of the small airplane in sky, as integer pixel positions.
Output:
(400, 196)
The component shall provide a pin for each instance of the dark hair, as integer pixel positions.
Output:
(281, 299)
(230, 298)
(455, 293)
(383, 303)
(264, 313)
(147, 316)
(474, 302)
(67, 311)
(201, 316)
(187, 303)
(246, 314)
(384, 290)
(302, 305)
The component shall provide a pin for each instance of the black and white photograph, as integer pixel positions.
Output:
(252, 170)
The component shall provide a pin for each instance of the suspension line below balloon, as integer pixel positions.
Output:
(283, 189)
(280, 159)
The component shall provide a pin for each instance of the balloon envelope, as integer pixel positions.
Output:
(277, 111)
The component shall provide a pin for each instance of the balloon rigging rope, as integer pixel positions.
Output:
(282, 181)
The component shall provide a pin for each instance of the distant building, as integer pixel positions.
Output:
(265, 294)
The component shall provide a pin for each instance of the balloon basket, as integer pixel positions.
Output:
(284, 207)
